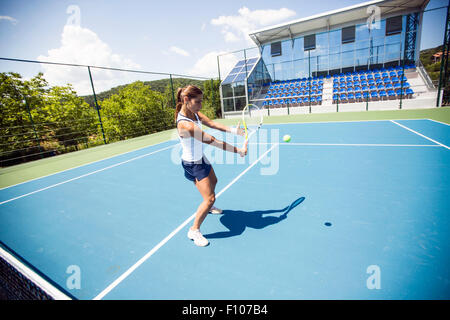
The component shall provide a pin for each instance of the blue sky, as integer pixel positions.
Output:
(181, 37)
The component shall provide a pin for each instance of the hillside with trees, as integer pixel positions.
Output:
(39, 120)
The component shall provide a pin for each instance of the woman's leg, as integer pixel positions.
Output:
(206, 187)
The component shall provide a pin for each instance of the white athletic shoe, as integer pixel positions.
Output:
(198, 238)
(215, 210)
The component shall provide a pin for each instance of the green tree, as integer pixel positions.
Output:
(67, 118)
(211, 98)
(19, 102)
(134, 111)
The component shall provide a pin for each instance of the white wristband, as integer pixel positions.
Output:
(234, 130)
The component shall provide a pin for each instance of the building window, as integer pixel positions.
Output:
(310, 42)
(348, 34)
(275, 49)
(393, 25)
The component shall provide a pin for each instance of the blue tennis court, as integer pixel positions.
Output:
(346, 210)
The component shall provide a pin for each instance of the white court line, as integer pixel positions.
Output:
(337, 121)
(439, 122)
(350, 144)
(428, 138)
(82, 165)
(87, 174)
(170, 236)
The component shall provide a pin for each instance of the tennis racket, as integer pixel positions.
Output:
(252, 120)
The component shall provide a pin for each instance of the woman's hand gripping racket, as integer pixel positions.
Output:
(252, 120)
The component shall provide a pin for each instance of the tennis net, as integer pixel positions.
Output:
(20, 282)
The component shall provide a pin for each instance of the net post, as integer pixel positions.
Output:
(96, 105)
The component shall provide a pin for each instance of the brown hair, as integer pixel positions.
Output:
(189, 91)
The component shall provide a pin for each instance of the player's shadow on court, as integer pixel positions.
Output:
(236, 221)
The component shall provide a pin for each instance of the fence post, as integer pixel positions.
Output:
(173, 94)
(96, 105)
(444, 59)
(212, 96)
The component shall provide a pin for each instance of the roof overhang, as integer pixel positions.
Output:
(335, 18)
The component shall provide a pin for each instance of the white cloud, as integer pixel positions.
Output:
(11, 19)
(179, 51)
(238, 27)
(206, 66)
(83, 46)
(203, 28)
(230, 37)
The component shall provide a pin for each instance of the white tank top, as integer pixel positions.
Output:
(192, 148)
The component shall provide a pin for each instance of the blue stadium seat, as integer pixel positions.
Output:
(409, 92)
(343, 97)
(383, 94)
(365, 88)
(399, 93)
(391, 94)
(319, 99)
(374, 96)
(366, 95)
(351, 97)
(358, 96)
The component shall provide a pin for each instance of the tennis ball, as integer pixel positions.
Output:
(286, 138)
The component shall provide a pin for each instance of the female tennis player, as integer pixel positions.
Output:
(197, 168)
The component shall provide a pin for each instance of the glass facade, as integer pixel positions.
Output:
(369, 49)
(363, 49)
